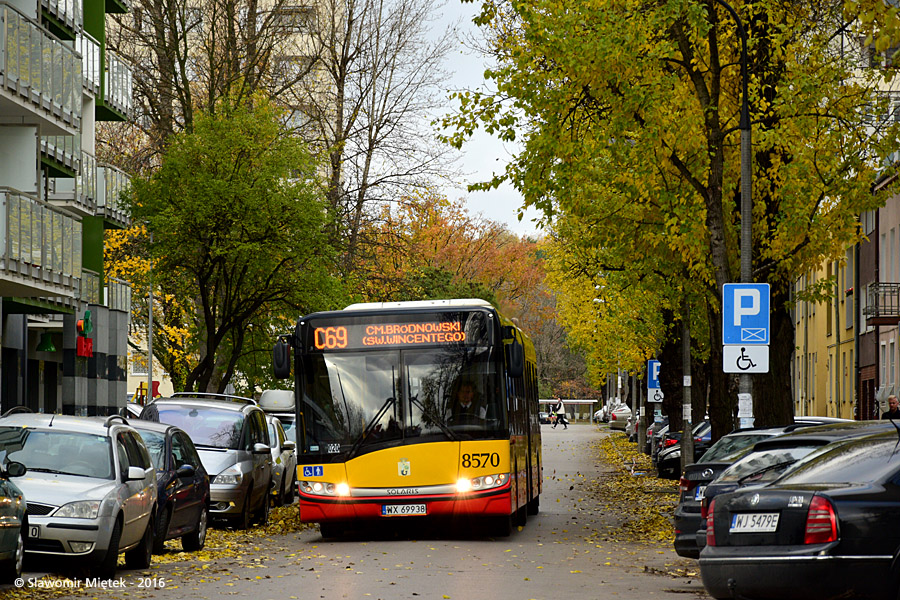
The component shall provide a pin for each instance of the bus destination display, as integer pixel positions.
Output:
(340, 337)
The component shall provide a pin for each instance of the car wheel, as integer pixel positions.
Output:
(140, 556)
(106, 569)
(262, 515)
(197, 539)
(12, 569)
(289, 499)
(243, 520)
(279, 499)
(162, 531)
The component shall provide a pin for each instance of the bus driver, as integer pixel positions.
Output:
(466, 409)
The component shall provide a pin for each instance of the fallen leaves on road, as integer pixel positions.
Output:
(644, 503)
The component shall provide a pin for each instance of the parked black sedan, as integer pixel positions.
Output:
(695, 478)
(183, 486)
(829, 528)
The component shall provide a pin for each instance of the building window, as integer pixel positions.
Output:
(296, 19)
(139, 364)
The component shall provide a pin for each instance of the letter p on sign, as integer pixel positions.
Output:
(746, 302)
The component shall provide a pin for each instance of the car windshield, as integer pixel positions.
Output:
(730, 444)
(857, 461)
(358, 399)
(765, 465)
(206, 425)
(61, 452)
(156, 445)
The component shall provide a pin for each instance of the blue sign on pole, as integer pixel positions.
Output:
(745, 314)
(652, 374)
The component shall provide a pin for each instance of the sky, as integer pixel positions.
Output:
(483, 155)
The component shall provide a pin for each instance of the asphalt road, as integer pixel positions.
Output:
(559, 554)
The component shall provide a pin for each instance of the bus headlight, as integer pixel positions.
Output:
(485, 482)
(324, 488)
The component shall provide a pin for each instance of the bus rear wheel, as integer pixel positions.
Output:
(534, 505)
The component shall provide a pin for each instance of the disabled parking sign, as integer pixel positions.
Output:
(745, 314)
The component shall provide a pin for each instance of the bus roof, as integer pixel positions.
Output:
(420, 304)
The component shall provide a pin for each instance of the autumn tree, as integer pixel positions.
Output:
(628, 113)
(237, 222)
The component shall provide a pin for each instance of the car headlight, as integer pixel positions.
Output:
(86, 509)
(230, 476)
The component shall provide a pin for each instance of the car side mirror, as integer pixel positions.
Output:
(261, 449)
(289, 445)
(185, 471)
(135, 473)
(15, 469)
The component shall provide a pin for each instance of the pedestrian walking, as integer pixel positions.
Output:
(560, 409)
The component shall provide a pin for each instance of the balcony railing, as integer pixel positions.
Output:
(38, 240)
(64, 149)
(111, 184)
(90, 287)
(90, 57)
(70, 13)
(77, 194)
(118, 294)
(117, 94)
(39, 68)
(86, 180)
(882, 304)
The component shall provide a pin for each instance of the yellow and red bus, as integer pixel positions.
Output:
(379, 433)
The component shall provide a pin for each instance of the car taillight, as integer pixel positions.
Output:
(685, 484)
(704, 509)
(669, 442)
(710, 524)
(612, 417)
(821, 521)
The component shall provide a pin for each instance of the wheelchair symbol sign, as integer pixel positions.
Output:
(745, 359)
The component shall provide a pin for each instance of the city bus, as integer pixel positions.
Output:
(414, 410)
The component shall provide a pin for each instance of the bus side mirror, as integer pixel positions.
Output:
(281, 360)
(515, 358)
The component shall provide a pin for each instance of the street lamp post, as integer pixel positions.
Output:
(745, 383)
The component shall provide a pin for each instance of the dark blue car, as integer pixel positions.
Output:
(183, 498)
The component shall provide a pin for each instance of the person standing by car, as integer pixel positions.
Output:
(560, 411)
(893, 412)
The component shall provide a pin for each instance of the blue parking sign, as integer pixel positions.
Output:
(653, 374)
(745, 313)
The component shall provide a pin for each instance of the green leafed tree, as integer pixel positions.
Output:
(237, 219)
(628, 113)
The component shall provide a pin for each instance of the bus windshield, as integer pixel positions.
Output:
(353, 402)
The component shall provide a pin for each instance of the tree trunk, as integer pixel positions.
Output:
(772, 399)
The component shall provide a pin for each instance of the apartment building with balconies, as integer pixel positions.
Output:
(63, 325)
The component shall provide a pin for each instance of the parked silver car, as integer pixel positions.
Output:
(232, 438)
(284, 463)
(90, 488)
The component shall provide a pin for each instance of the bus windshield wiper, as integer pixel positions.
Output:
(437, 420)
(758, 472)
(362, 438)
